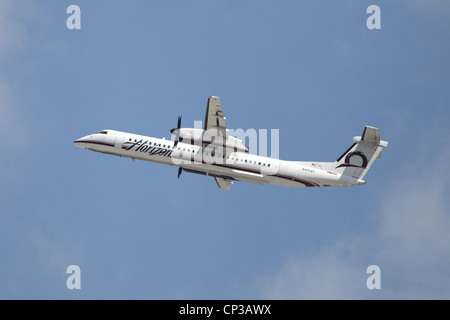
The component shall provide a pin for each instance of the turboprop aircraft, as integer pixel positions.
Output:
(213, 152)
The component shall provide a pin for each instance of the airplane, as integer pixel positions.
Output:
(211, 151)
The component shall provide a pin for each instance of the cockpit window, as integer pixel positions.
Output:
(103, 132)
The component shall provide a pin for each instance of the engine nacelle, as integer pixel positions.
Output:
(210, 137)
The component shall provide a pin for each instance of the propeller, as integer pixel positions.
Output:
(177, 134)
(177, 139)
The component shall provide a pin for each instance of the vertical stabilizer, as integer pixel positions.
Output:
(357, 160)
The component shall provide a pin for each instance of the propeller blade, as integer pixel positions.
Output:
(180, 170)
(177, 135)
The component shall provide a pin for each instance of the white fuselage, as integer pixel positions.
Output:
(229, 165)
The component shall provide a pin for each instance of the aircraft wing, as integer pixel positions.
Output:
(215, 119)
(223, 183)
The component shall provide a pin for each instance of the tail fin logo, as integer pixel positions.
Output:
(354, 154)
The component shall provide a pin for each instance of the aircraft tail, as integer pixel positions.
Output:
(357, 160)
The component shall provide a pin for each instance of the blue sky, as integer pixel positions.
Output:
(310, 69)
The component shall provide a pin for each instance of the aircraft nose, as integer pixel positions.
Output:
(81, 141)
(77, 142)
